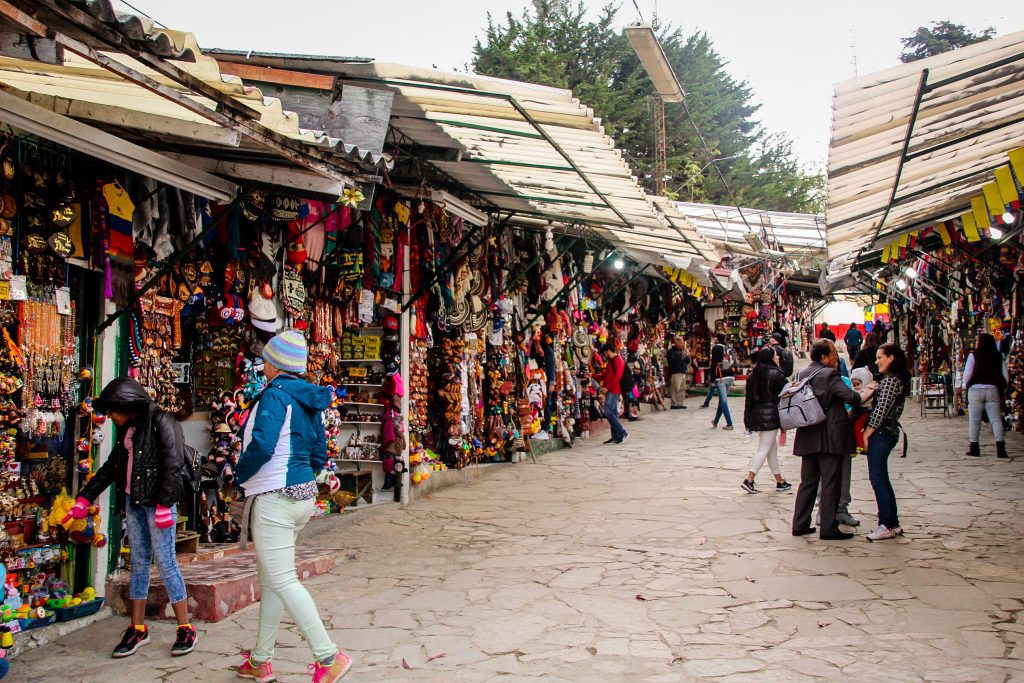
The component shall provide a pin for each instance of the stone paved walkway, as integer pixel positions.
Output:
(647, 562)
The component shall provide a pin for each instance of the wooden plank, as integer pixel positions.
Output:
(266, 74)
(190, 131)
(102, 145)
(230, 113)
(29, 48)
(22, 19)
(283, 176)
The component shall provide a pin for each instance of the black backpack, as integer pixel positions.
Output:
(628, 381)
(785, 361)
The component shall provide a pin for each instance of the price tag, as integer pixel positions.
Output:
(5, 290)
(357, 372)
(62, 298)
(18, 288)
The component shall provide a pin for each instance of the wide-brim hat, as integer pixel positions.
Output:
(263, 312)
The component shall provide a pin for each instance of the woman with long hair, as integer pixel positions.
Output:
(882, 434)
(761, 414)
(985, 381)
(866, 356)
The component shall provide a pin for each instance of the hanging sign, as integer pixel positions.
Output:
(61, 244)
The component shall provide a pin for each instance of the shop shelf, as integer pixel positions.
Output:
(360, 360)
(28, 624)
(359, 422)
(356, 384)
(357, 403)
(83, 610)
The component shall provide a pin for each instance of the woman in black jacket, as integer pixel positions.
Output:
(761, 414)
(145, 468)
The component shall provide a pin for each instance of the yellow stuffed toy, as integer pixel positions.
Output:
(79, 530)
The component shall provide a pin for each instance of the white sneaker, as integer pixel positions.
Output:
(883, 532)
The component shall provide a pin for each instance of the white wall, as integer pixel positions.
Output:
(840, 313)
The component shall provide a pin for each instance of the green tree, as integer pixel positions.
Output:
(941, 36)
(554, 43)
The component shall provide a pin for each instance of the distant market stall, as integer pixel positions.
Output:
(924, 210)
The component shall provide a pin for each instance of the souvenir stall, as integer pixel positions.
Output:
(944, 289)
(50, 201)
(501, 324)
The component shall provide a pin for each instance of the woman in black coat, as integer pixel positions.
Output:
(144, 467)
(761, 414)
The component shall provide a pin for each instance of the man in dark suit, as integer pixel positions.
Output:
(824, 445)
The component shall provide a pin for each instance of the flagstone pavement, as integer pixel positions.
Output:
(647, 562)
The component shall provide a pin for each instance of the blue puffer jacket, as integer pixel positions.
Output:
(283, 441)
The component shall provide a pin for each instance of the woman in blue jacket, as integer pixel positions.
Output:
(283, 444)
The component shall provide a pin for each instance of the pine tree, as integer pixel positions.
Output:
(554, 43)
(941, 36)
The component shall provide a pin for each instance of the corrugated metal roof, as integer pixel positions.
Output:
(913, 144)
(79, 80)
(531, 149)
(728, 224)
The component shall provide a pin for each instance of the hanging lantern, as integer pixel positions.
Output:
(588, 263)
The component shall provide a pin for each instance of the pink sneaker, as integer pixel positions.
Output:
(329, 674)
(262, 673)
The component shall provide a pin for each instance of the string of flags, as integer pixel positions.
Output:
(994, 208)
(684, 279)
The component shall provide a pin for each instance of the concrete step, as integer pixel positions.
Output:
(218, 585)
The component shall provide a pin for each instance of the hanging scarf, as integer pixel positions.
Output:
(117, 210)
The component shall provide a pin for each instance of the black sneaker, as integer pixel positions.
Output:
(748, 486)
(783, 486)
(623, 439)
(131, 641)
(611, 440)
(185, 641)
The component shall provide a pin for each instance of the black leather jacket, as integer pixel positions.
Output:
(158, 450)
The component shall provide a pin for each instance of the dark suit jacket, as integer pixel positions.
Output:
(835, 434)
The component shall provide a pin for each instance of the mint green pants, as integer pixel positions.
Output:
(276, 523)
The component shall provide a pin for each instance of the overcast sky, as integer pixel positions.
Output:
(791, 51)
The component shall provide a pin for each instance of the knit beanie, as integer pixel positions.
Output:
(287, 351)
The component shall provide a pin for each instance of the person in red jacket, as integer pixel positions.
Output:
(613, 370)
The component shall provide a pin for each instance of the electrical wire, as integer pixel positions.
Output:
(136, 9)
(711, 160)
(638, 12)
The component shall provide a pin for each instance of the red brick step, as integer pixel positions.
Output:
(220, 582)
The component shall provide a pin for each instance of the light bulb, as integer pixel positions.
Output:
(901, 284)
(995, 233)
(1008, 217)
(619, 264)
(911, 273)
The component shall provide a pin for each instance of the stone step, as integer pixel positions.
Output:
(217, 586)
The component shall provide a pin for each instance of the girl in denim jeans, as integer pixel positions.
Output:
(145, 469)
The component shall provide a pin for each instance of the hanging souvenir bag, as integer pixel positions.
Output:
(293, 292)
